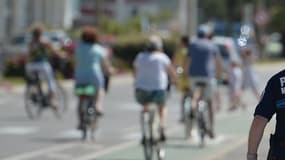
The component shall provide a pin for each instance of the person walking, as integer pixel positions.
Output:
(272, 103)
(249, 74)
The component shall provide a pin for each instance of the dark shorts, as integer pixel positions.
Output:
(156, 96)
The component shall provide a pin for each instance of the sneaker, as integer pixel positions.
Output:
(143, 140)
(99, 113)
(211, 134)
(162, 137)
(79, 127)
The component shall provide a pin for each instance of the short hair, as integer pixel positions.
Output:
(184, 39)
(89, 34)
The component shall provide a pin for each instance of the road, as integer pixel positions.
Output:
(118, 136)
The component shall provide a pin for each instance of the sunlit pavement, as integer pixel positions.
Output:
(118, 134)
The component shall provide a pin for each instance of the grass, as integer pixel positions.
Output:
(13, 80)
(271, 61)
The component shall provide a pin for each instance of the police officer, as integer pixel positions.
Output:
(272, 101)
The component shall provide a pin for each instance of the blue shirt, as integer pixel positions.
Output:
(273, 102)
(202, 53)
(88, 62)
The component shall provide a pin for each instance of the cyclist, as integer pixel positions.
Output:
(152, 68)
(205, 59)
(90, 63)
(179, 62)
(39, 50)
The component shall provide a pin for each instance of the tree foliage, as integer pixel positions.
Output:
(277, 18)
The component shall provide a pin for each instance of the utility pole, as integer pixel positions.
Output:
(192, 17)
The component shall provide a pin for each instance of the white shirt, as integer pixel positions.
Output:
(151, 71)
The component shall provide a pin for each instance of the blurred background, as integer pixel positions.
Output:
(124, 26)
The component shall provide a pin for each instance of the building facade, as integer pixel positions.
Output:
(16, 16)
(120, 10)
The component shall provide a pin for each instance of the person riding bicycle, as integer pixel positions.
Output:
(90, 65)
(179, 61)
(205, 59)
(152, 68)
(39, 51)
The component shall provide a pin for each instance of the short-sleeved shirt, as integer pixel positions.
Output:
(273, 102)
(88, 62)
(151, 71)
(202, 53)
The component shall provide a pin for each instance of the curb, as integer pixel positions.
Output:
(115, 80)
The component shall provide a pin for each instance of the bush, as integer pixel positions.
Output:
(126, 49)
(15, 67)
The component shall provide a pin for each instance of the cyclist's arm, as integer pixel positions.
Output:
(219, 65)
(255, 136)
(52, 51)
(106, 65)
(171, 73)
(186, 66)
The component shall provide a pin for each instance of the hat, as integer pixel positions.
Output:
(204, 30)
(155, 41)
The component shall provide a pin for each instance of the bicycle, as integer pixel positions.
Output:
(87, 110)
(187, 115)
(151, 133)
(37, 97)
(200, 115)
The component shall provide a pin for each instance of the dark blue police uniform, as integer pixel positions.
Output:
(273, 102)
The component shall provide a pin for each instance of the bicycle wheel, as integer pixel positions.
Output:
(147, 141)
(32, 102)
(60, 100)
(203, 116)
(187, 117)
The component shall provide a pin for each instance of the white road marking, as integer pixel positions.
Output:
(107, 151)
(118, 147)
(40, 152)
(18, 130)
(4, 101)
(132, 136)
(72, 133)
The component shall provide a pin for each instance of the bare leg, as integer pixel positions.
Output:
(99, 100)
(218, 100)
(163, 116)
(163, 121)
(212, 118)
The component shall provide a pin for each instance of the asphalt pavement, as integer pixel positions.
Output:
(119, 132)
